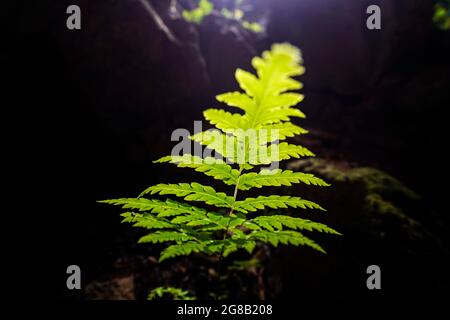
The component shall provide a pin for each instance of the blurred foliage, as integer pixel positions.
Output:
(379, 186)
(236, 12)
(385, 201)
(161, 293)
(245, 264)
(253, 26)
(205, 7)
(441, 16)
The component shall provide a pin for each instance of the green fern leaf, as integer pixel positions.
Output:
(267, 105)
(283, 130)
(278, 221)
(239, 100)
(165, 236)
(183, 249)
(223, 144)
(225, 120)
(133, 203)
(277, 178)
(285, 237)
(287, 151)
(274, 70)
(192, 192)
(224, 247)
(274, 202)
(219, 221)
(249, 83)
(176, 293)
(279, 152)
(149, 222)
(278, 115)
(249, 246)
(284, 100)
(162, 208)
(212, 167)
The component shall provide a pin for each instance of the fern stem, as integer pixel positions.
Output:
(235, 193)
(236, 187)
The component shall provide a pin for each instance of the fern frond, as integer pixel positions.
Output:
(287, 151)
(239, 100)
(176, 293)
(278, 115)
(285, 237)
(182, 249)
(140, 204)
(224, 222)
(225, 120)
(283, 130)
(228, 246)
(163, 236)
(192, 220)
(278, 221)
(225, 145)
(274, 69)
(279, 152)
(249, 246)
(274, 202)
(192, 192)
(250, 137)
(249, 83)
(210, 166)
(146, 221)
(218, 221)
(162, 208)
(267, 133)
(284, 100)
(277, 178)
(224, 247)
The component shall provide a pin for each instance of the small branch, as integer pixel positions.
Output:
(159, 22)
(261, 286)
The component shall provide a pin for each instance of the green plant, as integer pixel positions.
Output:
(206, 7)
(196, 15)
(174, 293)
(441, 16)
(238, 15)
(225, 223)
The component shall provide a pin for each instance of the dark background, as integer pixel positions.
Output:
(84, 113)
